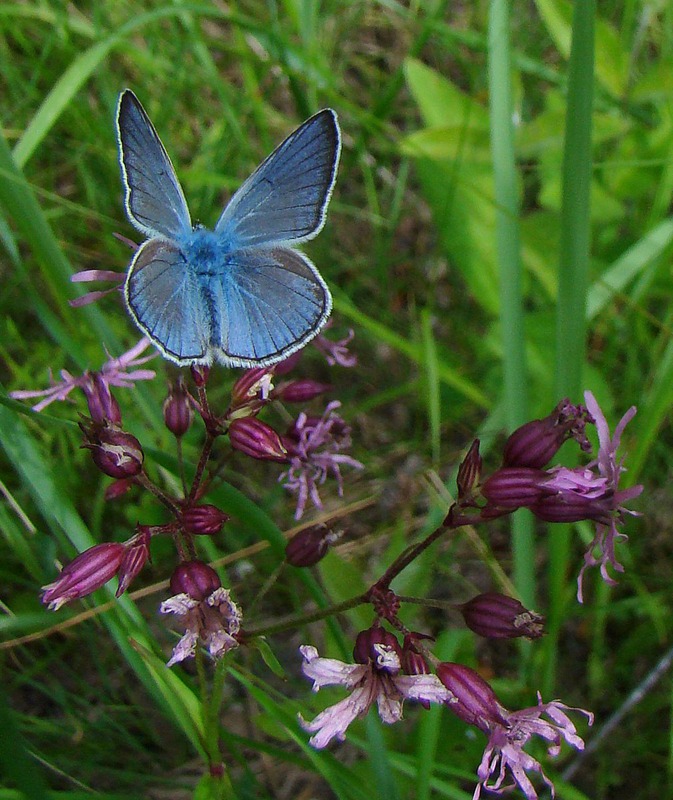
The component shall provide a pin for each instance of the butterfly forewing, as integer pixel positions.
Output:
(275, 302)
(166, 301)
(155, 203)
(285, 199)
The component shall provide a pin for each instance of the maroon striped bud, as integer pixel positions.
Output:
(256, 439)
(196, 579)
(200, 373)
(89, 571)
(178, 413)
(497, 616)
(573, 507)
(469, 472)
(137, 553)
(301, 391)
(115, 452)
(476, 703)
(309, 545)
(118, 488)
(250, 392)
(364, 651)
(203, 520)
(513, 487)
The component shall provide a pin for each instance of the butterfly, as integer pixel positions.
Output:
(240, 294)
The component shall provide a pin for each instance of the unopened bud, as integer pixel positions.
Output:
(200, 373)
(117, 488)
(573, 507)
(476, 703)
(251, 392)
(497, 616)
(413, 661)
(301, 391)
(469, 472)
(136, 555)
(89, 571)
(288, 364)
(364, 651)
(309, 545)
(203, 520)
(115, 452)
(256, 439)
(196, 579)
(513, 487)
(178, 413)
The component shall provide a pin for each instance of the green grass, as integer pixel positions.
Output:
(499, 237)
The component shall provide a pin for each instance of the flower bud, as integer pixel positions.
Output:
(573, 507)
(102, 405)
(136, 555)
(413, 661)
(203, 520)
(256, 439)
(115, 452)
(250, 392)
(476, 703)
(301, 391)
(178, 413)
(469, 472)
(89, 571)
(195, 579)
(200, 373)
(309, 545)
(288, 364)
(364, 651)
(513, 487)
(496, 616)
(117, 488)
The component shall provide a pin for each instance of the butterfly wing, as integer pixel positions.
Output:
(285, 200)
(166, 300)
(154, 200)
(270, 304)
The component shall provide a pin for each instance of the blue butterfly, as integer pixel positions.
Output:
(240, 294)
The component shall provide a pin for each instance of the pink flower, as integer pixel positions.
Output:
(378, 681)
(205, 610)
(314, 446)
(336, 352)
(508, 731)
(96, 385)
(88, 275)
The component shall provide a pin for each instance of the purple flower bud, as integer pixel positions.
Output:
(256, 439)
(89, 571)
(496, 616)
(573, 507)
(537, 442)
(203, 520)
(513, 487)
(309, 546)
(195, 579)
(364, 651)
(250, 392)
(115, 452)
(477, 703)
(178, 413)
(301, 391)
(136, 554)
(102, 405)
(118, 488)
(469, 472)
(413, 661)
(200, 373)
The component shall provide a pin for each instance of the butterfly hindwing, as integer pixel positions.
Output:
(285, 199)
(273, 302)
(155, 203)
(166, 300)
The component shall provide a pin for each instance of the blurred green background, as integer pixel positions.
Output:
(499, 237)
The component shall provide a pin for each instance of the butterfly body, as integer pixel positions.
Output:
(240, 294)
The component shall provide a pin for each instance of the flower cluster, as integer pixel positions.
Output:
(556, 494)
